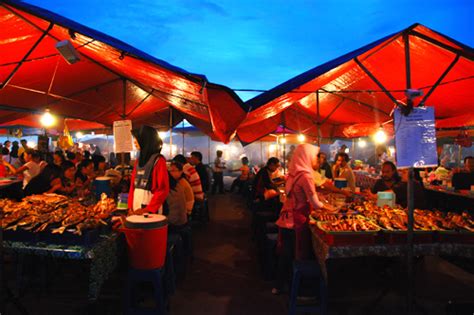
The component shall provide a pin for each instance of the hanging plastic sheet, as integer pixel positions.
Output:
(415, 138)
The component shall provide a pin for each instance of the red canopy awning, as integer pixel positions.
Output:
(363, 87)
(112, 80)
(33, 121)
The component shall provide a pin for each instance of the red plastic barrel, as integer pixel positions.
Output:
(146, 240)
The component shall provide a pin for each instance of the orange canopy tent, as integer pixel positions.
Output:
(355, 93)
(33, 121)
(111, 81)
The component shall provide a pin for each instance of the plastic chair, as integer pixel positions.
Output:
(304, 270)
(136, 276)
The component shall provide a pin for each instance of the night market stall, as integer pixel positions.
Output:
(361, 94)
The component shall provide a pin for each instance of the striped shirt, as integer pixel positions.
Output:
(193, 178)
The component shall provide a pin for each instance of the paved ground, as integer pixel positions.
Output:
(225, 279)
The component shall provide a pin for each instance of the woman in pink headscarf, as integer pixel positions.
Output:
(294, 233)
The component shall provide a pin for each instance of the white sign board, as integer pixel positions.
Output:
(123, 136)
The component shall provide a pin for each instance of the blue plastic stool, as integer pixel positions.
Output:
(186, 234)
(307, 269)
(269, 257)
(136, 276)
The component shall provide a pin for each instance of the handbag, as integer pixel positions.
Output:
(286, 219)
(270, 193)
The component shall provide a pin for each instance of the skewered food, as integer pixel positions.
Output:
(349, 225)
(396, 219)
(39, 212)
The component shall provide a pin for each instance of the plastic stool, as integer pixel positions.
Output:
(136, 276)
(187, 237)
(176, 266)
(269, 257)
(271, 227)
(307, 269)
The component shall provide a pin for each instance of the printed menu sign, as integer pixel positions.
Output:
(123, 136)
(415, 138)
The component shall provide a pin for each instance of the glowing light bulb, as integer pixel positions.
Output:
(79, 135)
(301, 138)
(283, 140)
(380, 136)
(47, 120)
(162, 134)
(362, 143)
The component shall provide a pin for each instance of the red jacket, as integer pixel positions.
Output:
(160, 186)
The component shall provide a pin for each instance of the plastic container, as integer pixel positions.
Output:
(102, 185)
(146, 240)
(340, 182)
(386, 198)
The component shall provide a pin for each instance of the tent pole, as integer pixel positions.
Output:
(10, 76)
(422, 103)
(208, 150)
(390, 96)
(372, 108)
(124, 95)
(317, 118)
(183, 134)
(171, 133)
(410, 192)
(261, 152)
(284, 153)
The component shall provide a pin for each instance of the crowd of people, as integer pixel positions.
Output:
(176, 187)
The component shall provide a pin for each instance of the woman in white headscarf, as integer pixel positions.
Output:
(294, 234)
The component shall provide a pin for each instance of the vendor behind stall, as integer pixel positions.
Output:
(392, 181)
(389, 179)
(465, 178)
(341, 169)
(149, 184)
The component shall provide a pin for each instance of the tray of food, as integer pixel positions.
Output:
(349, 231)
(55, 219)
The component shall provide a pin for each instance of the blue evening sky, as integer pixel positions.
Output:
(260, 44)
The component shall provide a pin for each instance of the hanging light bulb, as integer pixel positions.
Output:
(362, 143)
(301, 138)
(47, 120)
(283, 140)
(79, 135)
(380, 136)
(162, 134)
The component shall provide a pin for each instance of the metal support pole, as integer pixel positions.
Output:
(182, 129)
(410, 193)
(317, 119)
(171, 133)
(284, 154)
(10, 76)
(124, 115)
(410, 251)
(208, 150)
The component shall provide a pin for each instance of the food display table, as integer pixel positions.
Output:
(440, 198)
(364, 180)
(323, 251)
(7, 182)
(101, 256)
